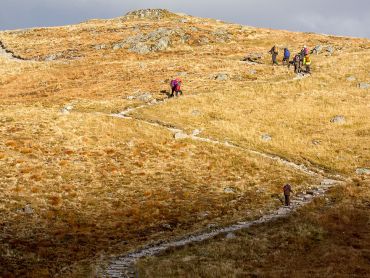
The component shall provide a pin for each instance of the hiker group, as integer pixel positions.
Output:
(301, 61)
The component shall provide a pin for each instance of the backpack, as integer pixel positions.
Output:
(306, 51)
(287, 189)
(178, 86)
(307, 60)
(173, 83)
(286, 53)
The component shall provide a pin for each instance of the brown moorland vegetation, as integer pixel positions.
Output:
(80, 185)
(328, 238)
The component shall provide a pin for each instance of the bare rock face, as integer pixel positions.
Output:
(140, 48)
(158, 40)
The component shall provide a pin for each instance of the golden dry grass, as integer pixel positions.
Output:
(99, 185)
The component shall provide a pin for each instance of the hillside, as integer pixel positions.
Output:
(97, 161)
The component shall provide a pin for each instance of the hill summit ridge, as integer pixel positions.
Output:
(150, 14)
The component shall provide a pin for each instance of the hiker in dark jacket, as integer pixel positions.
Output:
(286, 56)
(274, 53)
(297, 62)
(287, 190)
(304, 52)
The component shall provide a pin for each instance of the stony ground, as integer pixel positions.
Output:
(86, 176)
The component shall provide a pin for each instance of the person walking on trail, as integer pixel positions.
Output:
(304, 51)
(297, 62)
(176, 87)
(274, 53)
(307, 63)
(287, 190)
(286, 56)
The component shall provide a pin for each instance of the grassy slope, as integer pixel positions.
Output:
(97, 181)
(328, 238)
(103, 185)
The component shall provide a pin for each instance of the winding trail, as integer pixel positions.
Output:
(123, 266)
(181, 134)
(8, 54)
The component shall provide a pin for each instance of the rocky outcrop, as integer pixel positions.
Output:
(222, 76)
(158, 40)
(266, 137)
(339, 119)
(222, 35)
(163, 38)
(363, 171)
(253, 58)
(155, 14)
(364, 85)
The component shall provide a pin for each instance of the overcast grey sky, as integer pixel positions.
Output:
(340, 17)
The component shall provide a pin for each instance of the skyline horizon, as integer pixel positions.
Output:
(346, 19)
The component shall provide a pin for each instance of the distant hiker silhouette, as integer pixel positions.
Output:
(287, 190)
(176, 87)
(274, 53)
(286, 56)
(297, 62)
